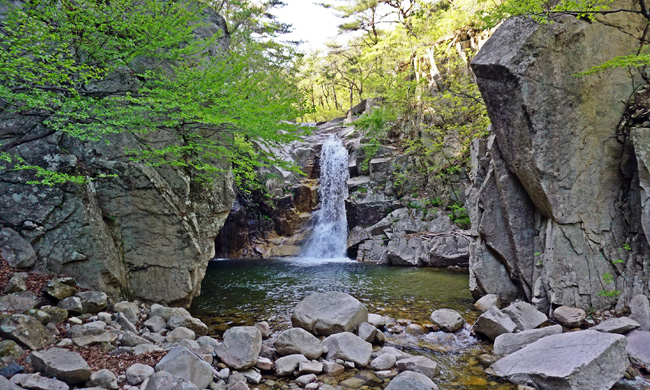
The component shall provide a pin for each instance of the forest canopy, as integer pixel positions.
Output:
(152, 68)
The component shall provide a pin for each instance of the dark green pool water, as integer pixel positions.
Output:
(242, 292)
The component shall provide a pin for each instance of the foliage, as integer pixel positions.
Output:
(459, 215)
(89, 69)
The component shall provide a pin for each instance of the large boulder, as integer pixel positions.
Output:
(493, 323)
(551, 201)
(26, 331)
(158, 224)
(525, 315)
(348, 346)
(576, 360)
(620, 325)
(640, 311)
(638, 348)
(184, 363)
(508, 343)
(328, 313)
(298, 341)
(241, 347)
(62, 364)
(409, 380)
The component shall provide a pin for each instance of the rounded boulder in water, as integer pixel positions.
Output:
(329, 313)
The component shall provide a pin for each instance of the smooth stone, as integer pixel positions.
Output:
(575, 360)
(179, 334)
(348, 346)
(376, 320)
(241, 347)
(155, 324)
(367, 332)
(409, 380)
(264, 328)
(103, 378)
(310, 368)
(508, 343)
(571, 317)
(329, 313)
(304, 380)
(286, 365)
(420, 364)
(416, 329)
(387, 374)
(487, 301)
(138, 372)
(298, 341)
(145, 349)
(383, 362)
(168, 312)
(332, 368)
(264, 364)
(395, 352)
(447, 320)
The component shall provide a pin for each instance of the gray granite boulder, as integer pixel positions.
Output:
(138, 372)
(183, 363)
(447, 320)
(487, 301)
(241, 347)
(104, 379)
(420, 364)
(494, 322)
(638, 348)
(20, 301)
(620, 325)
(571, 317)
(286, 365)
(164, 380)
(409, 380)
(575, 360)
(62, 364)
(525, 315)
(348, 346)
(26, 331)
(383, 362)
(329, 313)
(640, 311)
(298, 341)
(367, 332)
(36, 381)
(508, 343)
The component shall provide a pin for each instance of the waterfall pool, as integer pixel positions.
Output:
(245, 291)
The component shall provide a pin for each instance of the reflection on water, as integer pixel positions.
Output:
(243, 292)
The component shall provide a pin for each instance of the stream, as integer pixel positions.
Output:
(245, 291)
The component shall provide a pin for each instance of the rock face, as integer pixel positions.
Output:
(576, 360)
(154, 224)
(555, 191)
(329, 313)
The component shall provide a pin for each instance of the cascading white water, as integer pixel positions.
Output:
(330, 235)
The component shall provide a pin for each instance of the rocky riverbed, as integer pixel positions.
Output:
(56, 336)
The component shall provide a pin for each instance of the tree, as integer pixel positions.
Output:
(88, 68)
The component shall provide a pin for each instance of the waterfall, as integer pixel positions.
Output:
(330, 235)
